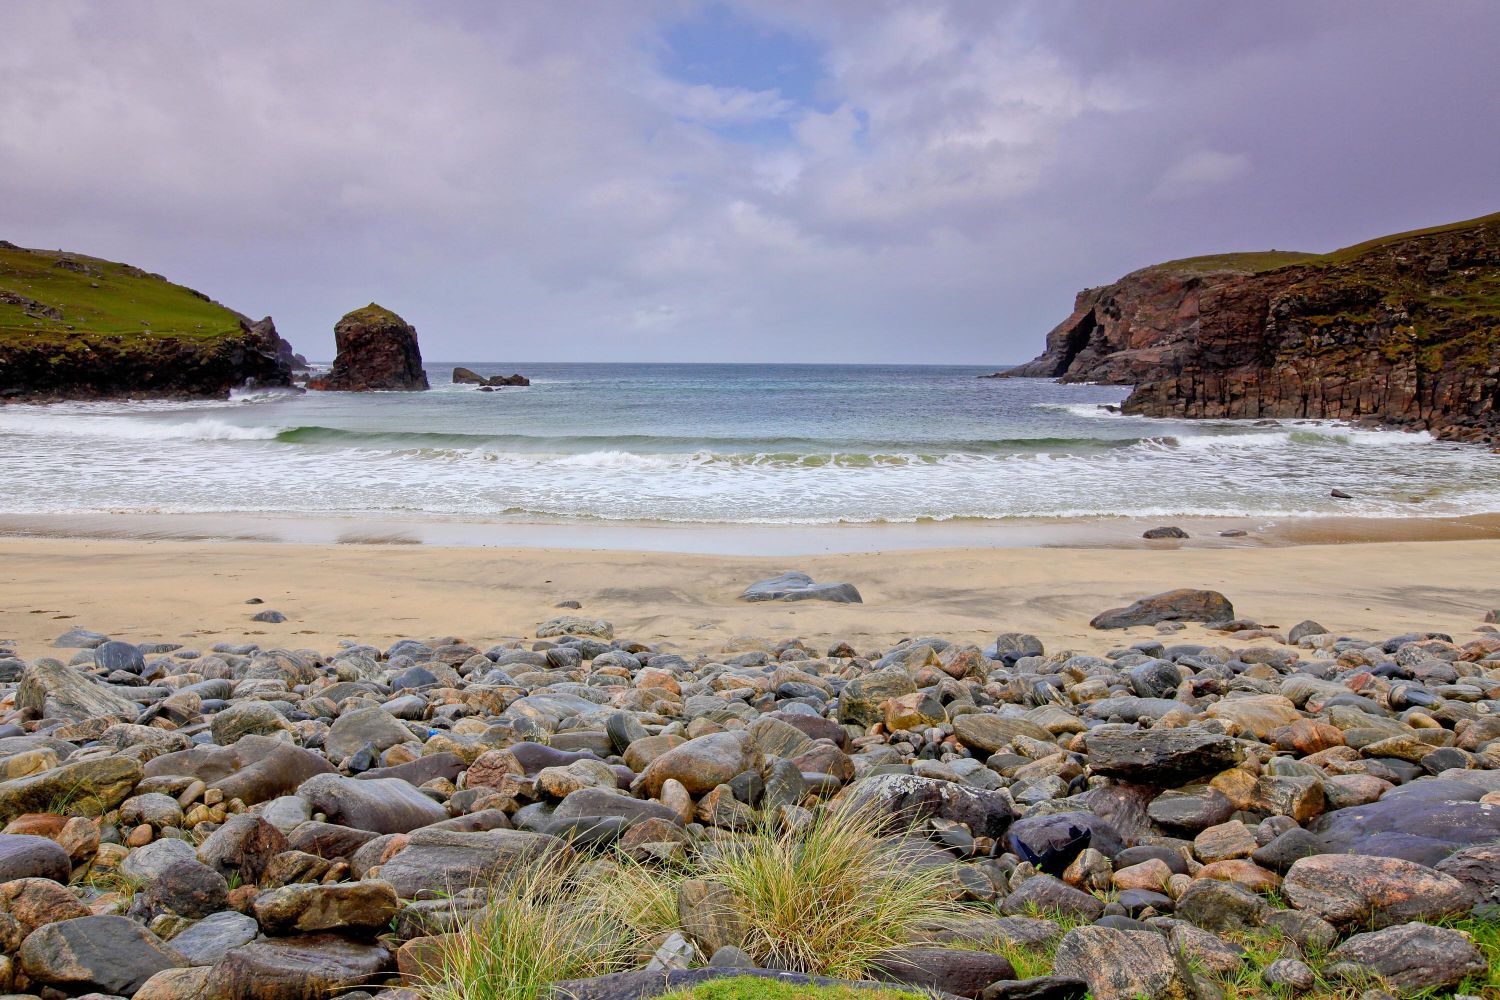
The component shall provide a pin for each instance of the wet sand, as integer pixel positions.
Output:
(748, 539)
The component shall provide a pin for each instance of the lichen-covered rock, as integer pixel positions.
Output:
(89, 787)
(305, 967)
(360, 907)
(446, 861)
(800, 587)
(1409, 957)
(1160, 756)
(1124, 965)
(1348, 889)
(912, 798)
(574, 625)
(56, 691)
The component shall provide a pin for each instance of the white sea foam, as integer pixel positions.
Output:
(640, 446)
(1089, 410)
(125, 428)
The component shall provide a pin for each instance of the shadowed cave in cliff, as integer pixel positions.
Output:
(1078, 339)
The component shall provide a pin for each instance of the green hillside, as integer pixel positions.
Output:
(1255, 262)
(53, 296)
(77, 327)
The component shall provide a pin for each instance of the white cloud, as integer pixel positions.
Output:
(1199, 171)
(712, 105)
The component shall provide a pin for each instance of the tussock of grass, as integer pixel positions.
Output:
(541, 926)
(757, 988)
(827, 899)
(643, 898)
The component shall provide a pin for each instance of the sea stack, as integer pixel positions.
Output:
(377, 351)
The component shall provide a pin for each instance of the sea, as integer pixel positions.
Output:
(718, 444)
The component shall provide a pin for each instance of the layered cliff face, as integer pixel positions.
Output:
(73, 326)
(377, 351)
(1403, 330)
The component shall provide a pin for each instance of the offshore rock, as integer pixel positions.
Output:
(377, 351)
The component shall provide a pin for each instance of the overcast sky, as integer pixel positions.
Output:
(768, 180)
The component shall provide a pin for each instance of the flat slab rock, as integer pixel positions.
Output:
(1160, 756)
(1183, 605)
(304, 967)
(794, 586)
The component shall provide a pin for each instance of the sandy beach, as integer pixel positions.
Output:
(171, 590)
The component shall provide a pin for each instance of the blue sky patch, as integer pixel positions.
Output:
(719, 46)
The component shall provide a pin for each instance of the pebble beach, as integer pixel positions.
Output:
(1160, 773)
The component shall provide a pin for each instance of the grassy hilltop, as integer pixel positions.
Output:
(73, 325)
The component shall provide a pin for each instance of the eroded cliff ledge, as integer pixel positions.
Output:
(1402, 330)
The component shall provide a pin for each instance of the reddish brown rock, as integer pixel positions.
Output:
(1397, 330)
(1349, 889)
(34, 902)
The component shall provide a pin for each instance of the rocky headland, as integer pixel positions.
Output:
(1403, 331)
(1273, 812)
(73, 326)
(377, 352)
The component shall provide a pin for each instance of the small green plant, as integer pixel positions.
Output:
(760, 988)
(1035, 959)
(110, 880)
(66, 802)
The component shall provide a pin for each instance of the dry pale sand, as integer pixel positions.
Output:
(195, 591)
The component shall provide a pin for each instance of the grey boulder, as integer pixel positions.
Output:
(793, 586)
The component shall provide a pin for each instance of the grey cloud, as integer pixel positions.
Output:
(522, 181)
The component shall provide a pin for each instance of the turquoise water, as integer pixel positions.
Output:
(796, 444)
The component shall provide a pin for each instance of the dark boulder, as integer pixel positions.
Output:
(1424, 821)
(1171, 606)
(25, 856)
(1160, 756)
